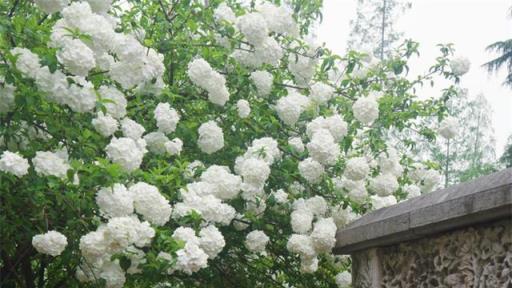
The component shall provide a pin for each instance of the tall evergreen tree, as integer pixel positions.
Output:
(506, 157)
(373, 29)
(504, 48)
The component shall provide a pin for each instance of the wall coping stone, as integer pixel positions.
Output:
(485, 199)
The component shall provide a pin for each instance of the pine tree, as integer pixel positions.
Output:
(373, 29)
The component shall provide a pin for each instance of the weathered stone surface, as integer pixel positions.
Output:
(485, 199)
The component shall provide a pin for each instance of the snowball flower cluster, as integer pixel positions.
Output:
(51, 243)
(263, 81)
(202, 74)
(460, 66)
(254, 27)
(114, 201)
(51, 164)
(366, 110)
(13, 163)
(166, 118)
(223, 184)
(384, 184)
(334, 124)
(290, 107)
(126, 152)
(224, 12)
(243, 107)
(357, 169)
(7, 98)
(320, 93)
(51, 6)
(311, 170)
(211, 137)
(448, 128)
(256, 241)
(344, 279)
(132, 129)
(322, 148)
(379, 202)
(149, 203)
(296, 143)
(105, 124)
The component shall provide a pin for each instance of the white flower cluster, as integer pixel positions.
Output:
(449, 127)
(211, 137)
(105, 124)
(311, 170)
(306, 242)
(223, 12)
(51, 243)
(357, 169)
(126, 152)
(320, 93)
(263, 81)
(290, 107)
(51, 6)
(366, 109)
(323, 148)
(118, 235)
(256, 241)
(13, 163)
(334, 124)
(356, 189)
(460, 66)
(243, 107)
(344, 279)
(7, 98)
(166, 118)
(51, 163)
(203, 75)
(426, 179)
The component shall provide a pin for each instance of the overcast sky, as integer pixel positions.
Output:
(469, 24)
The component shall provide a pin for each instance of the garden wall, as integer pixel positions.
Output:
(455, 237)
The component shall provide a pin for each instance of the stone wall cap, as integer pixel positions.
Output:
(484, 199)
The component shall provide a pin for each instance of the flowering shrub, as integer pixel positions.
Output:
(187, 144)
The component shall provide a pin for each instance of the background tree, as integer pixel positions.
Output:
(506, 158)
(504, 49)
(374, 27)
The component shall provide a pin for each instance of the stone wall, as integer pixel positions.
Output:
(479, 256)
(456, 237)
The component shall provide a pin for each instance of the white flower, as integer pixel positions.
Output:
(381, 202)
(211, 137)
(186, 234)
(311, 170)
(412, 191)
(384, 184)
(280, 196)
(211, 241)
(81, 98)
(256, 241)
(317, 205)
(268, 52)
(191, 259)
(51, 6)
(290, 107)
(448, 128)
(356, 189)
(263, 81)
(308, 265)
(100, 6)
(302, 245)
(357, 169)
(113, 274)
(124, 231)
(26, 61)
(279, 19)
(226, 185)
(344, 279)
(148, 202)
(209, 207)
(116, 105)
(296, 143)
(342, 216)
(77, 57)
(243, 107)
(13, 163)
(302, 68)
(156, 142)
(460, 66)
(366, 110)
(324, 235)
(174, 146)
(166, 118)
(320, 93)
(322, 148)
(390, 162)
(301, 221)
(254, 171)
(105, 124)
(126, 152)
(202, 75)
(115, 201)
(7, 102)
(50, 164)
(132, 129)
(335, 124)
(265, 148)
(51, 243)
(254, 27)
(224, 12)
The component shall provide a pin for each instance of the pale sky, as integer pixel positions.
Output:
(470, 25)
